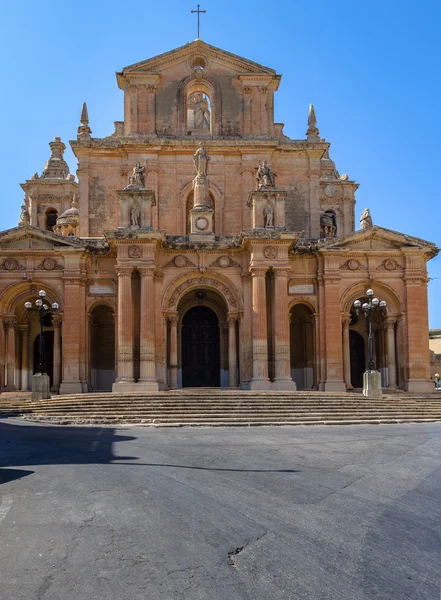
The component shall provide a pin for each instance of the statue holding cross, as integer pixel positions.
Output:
(199, 12)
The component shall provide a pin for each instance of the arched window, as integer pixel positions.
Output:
(198, 113)
(51, 218)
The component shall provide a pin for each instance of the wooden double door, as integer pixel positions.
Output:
(200, 348)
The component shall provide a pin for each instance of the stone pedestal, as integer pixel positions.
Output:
(267, 208)
(372, 384)
(41, 386)
(136, 208)
(201, 215)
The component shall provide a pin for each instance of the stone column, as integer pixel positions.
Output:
(147, 379)
(263, 110)
(10, 353)
(391, 360)
(71, 383)
(57, 353)
(232, 354)
(151, 109)
(83, 173)
(174, 353)
(260, 380)
(247, 123)
(282, 358)
(25, 358)
(314, 198)
(346, 354)
(125, 381)
(333, 336)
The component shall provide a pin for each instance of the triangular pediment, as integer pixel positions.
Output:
(377, 238)
(193, 49)
(32, 237)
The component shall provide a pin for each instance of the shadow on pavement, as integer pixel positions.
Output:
(23, 445)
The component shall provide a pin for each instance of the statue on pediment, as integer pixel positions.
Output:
(25, 218)
(137, 176)
(365, 219)
(201, 159)
(264, 176)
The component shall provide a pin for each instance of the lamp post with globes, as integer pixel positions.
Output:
(372, 378)
(43, 310)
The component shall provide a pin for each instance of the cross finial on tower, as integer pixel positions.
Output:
(199, 12)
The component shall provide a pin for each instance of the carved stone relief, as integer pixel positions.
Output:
(270, 252)
(224, 262)
(135, 252)
(389, 264)
(352, 265)
(10, 264)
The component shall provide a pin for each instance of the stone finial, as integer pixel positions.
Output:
(365, 219)
(84, 130)
(56, 167)
(312, 133)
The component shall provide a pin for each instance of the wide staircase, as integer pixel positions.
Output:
(215, 407)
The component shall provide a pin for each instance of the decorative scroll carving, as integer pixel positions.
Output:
(49, 264)
(389, 264)
(180, 261)
(224, 262)
(10, 264)
(353, 265)
(270, 252)
(134, 252)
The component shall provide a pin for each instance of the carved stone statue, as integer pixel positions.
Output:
(264, 176)
(201, 112)
(365, 219)
(201, 159)
(25, 218)
(268, 215)
(137, 177)
(134, 216)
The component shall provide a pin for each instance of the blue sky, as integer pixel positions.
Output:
(372, 70)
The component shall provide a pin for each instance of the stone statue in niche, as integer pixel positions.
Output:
(201, 159)
(201, 112)
(327, 226)
(137, 176)
(365, 219)
(135, 214)
(264, 176)
(25, 218)
(268, 216)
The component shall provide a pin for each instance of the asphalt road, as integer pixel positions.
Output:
(340, 513)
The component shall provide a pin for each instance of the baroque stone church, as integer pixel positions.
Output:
(201, 246)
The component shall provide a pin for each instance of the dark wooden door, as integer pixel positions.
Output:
(358, 367)
(200, 348)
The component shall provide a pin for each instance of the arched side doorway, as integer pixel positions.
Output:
(358, 346)
(357, 357)
(200, 348)
(102, 349)
(303, 370)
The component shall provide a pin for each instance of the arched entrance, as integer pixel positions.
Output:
(102, 364)
(200, 348)
(302, 347)
(48, 354)
(357, 357)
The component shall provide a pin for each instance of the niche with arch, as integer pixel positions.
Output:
(51, 216)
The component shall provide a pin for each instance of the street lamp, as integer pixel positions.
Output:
(42, 309)
(369, 308)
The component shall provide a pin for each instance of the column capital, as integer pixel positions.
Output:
(9, 322)
(24, 330)
(390, 323)
(146, 271)
(57, 321)
(258, 272)
(281, 272)
(232, 319)
(124, 271)
(173, 320)
(346, 319)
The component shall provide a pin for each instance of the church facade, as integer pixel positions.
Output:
(201, 246)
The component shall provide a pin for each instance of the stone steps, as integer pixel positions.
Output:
(228, 407)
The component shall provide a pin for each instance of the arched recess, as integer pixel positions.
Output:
(102, 348)
(203, 84)
(182, 284)
(388, 334)
(51, 216)
(20, 357)
(217, 198)
(302, 351)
